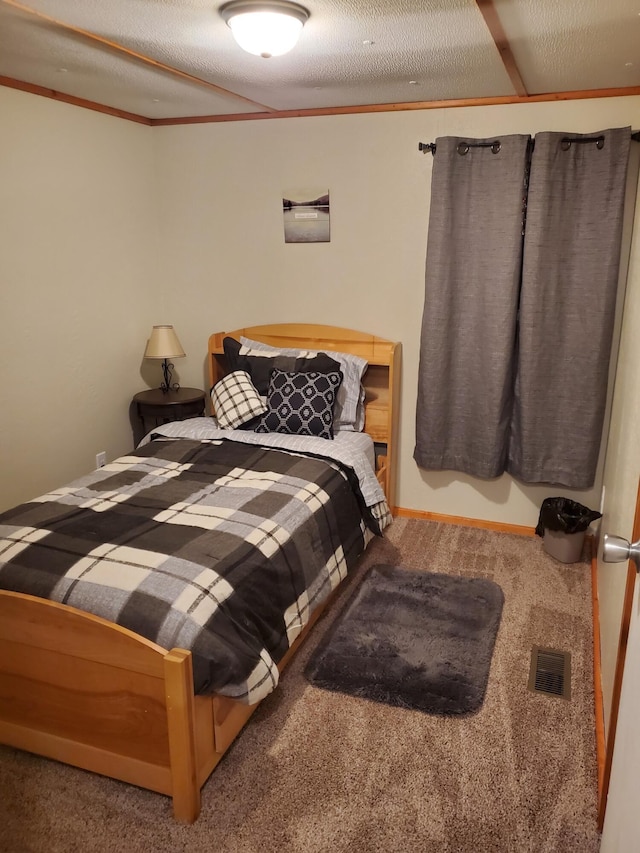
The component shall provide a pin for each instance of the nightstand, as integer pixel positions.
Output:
(156, 407)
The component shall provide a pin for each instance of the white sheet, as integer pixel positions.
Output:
(354, 449)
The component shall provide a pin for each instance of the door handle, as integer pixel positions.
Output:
(615, 549)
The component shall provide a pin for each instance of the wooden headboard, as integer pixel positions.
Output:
(381, 379)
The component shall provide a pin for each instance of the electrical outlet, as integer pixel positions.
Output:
(101, 459)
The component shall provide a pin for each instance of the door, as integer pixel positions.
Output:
(619, 806)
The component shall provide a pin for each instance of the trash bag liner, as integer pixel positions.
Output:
(564, 515)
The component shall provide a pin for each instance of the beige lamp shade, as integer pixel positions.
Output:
(163, 343)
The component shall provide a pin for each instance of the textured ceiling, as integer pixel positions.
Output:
(165, 59)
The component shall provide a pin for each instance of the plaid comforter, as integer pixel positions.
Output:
(218, 547)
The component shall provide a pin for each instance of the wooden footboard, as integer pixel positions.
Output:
(82, 690)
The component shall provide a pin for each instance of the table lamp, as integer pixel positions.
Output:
(163, 343)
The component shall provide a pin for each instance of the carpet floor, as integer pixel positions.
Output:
(317, 771)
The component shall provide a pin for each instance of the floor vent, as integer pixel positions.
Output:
(550, 672)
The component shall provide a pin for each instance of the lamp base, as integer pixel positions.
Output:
(167, 372)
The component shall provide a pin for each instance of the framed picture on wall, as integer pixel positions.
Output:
(306, 216)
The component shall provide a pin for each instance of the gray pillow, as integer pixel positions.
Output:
(259, 363)
(349, 408)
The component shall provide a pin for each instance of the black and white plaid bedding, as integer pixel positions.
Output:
(219, 547)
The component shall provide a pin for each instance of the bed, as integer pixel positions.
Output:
(76, 686)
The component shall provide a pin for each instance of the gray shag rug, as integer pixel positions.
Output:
(413, 640)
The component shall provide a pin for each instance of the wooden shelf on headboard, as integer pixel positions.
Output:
(381, 379)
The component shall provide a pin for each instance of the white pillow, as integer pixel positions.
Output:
(349, 409)
(236, 400)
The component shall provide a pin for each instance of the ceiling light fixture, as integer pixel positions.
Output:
(265, 29)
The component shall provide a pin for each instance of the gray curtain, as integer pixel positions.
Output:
(465, 385)
(569, 285)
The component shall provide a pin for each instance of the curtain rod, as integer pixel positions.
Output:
(463, 147)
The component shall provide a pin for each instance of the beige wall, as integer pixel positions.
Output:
(78, 266)
(111, 227)
(226, 263)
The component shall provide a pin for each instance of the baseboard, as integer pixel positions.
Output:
(501, 527)
(601, 748)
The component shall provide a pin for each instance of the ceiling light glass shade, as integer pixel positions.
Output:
(265, 29)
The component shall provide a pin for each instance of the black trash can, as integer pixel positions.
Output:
(563, 524)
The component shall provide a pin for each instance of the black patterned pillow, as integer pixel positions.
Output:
(235, 400)
(301, 403)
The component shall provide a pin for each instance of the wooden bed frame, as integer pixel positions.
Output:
(84, 691)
